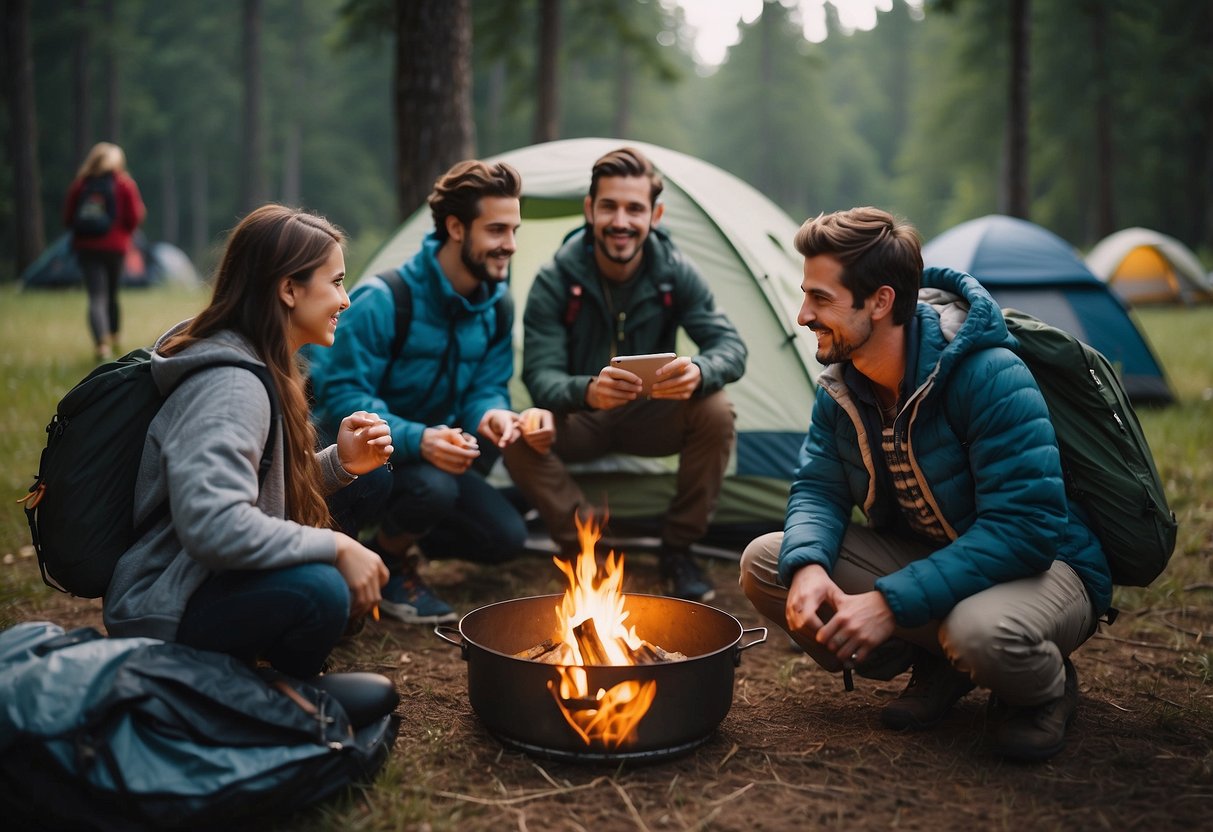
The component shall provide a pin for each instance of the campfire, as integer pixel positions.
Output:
(592, 631)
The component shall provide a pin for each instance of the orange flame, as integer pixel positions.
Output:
(608, 717)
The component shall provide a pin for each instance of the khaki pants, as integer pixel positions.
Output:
(1010, 638)
(700, 430)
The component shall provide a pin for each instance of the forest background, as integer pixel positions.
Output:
(1084, 116)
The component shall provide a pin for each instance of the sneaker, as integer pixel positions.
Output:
(683, 577)
(934, 688)
(407, 598)
(1033, 733)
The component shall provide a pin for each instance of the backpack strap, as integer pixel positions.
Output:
(576, 293)
(505, 317)
(267, 453)
(402, 298)
(572, 305)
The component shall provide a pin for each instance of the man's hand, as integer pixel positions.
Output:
(363, 571)
(612, 387)
(449, 449)
(538, 428)
(811, 590)
(364, 442)
(677, 380)
(499, 427)
(860, 623)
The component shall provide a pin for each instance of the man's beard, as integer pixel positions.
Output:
(604, 246)
(841, 350)
(479, 270)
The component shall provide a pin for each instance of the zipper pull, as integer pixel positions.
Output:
(619, 328)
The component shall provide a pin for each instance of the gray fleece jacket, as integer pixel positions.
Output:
(202, 451)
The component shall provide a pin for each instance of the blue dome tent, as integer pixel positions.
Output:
(1028, 268)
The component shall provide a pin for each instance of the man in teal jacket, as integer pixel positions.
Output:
(446, 389)
(973, 567)
(617, 287)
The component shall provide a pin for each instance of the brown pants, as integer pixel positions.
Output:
(700, 430)
(1010, 638)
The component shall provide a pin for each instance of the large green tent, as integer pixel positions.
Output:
(742, 243)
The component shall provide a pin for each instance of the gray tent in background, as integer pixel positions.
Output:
(742, 243)
(145, 265)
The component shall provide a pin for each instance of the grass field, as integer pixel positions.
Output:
(794, 751)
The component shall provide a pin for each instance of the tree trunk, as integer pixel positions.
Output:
(292, 150)
(768, 29)
(433, 89)
(17, 66)
(82, 92)
(170, 204)
(199, 204)
(1016, 186)
(490, 136)
(112, 128)
(547, 114)
(623, 91)
(252, 182)
(1105, 213)
(1206, 204)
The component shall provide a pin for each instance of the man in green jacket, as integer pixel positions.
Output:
(619, 286)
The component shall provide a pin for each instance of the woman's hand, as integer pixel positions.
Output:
(363, 571)
(364, 442)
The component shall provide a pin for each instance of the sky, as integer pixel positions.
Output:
(716, 21)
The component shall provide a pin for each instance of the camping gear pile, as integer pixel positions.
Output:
(136, 733)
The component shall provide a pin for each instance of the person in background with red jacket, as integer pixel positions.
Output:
(103, 210)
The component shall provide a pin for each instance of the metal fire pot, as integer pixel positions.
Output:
(511, 697)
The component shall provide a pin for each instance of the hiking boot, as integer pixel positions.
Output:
(407, 598)
(888, 660)
(1032, 733)
(683, 577)
(933, 689)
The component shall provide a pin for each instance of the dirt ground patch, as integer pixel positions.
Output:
(796, 751)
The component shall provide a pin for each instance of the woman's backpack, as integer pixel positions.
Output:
(136, 733)
(81, 507)
(96, 207)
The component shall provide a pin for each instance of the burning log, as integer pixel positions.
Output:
(592, 650)
(649, 653)
(534, 653)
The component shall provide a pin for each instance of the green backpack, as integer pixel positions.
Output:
(1107, 463)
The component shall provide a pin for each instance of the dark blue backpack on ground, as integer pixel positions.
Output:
(96, 207)
(140, 734)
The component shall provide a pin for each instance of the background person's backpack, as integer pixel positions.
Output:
(81, 506)
(96, 207)
(1106, 459)
(139, 734)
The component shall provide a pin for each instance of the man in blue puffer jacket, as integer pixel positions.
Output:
(972, 568)
(445, 391)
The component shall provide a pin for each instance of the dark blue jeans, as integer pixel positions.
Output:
(459, 516)
(362, 502)
(291, 617)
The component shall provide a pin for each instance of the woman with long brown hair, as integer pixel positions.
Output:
(243, 565)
